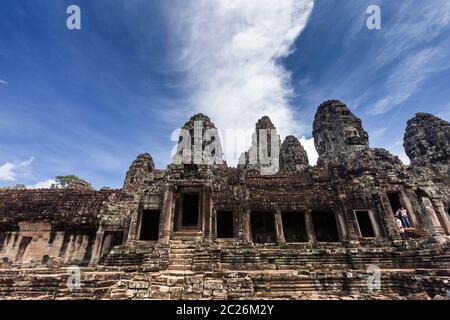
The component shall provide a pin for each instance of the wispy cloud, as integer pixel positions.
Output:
(230, 51)
(9, 171)
(378, 132)
(415, 49)
(415, 25)
(46, 184)
(3, 82)
(407, 77)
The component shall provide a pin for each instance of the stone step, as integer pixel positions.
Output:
(181, 251)
(181, 261)
(180, 267)
(179, 273)
(186, 234)
(184, 243)
(181, 255)
(170, 280)
(187, 240)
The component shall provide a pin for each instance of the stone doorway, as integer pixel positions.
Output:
(191, 210)
(188, 211)
(224, 225)
(150, 225)
(294, 226)
(325, 226)
(394, 201)
(365, 224)
(263, 227)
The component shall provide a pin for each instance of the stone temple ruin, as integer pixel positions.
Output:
(214, 232)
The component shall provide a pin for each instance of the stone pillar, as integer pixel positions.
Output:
(166, 218)
(279, 227)
(374, 220)
(409, 207)
(246, 226)
(239, 216)
(430, 217)
(342, 228)
(388, 217)
(310, 227)
(346, 220)
(442, 215)
(133, 230)
(96, 251)
(207, 214)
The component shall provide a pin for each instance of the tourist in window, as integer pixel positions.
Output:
(404, 218)
(399, 224)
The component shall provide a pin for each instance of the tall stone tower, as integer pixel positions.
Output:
(264, 153)
(427, 140)
(338, 134)
(199, 143)
(293, 156)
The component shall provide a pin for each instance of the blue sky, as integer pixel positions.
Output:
(88, 101)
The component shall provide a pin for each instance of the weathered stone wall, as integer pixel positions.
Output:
(35, 245)
(56, 227)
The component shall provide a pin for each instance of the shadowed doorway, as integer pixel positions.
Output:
(263, 227)
(190, 210)
(187, 210)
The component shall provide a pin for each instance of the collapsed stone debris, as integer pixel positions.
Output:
(209, 231)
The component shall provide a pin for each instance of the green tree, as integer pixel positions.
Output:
(72, 181)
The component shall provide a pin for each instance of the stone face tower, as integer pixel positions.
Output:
(140, 172)
(293, 156)
(427, 140)
(338, 133)
(264, 153)
(199, 142)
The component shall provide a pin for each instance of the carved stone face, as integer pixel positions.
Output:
(337, 131)
(427, 140)
(140, 172)
(199, 142)
(355, 136)
(292, 155)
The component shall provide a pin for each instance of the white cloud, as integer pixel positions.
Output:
(229, 51)
(3, 82)
(408, 76)
(9, 171)
(43, 184)
(310, 148)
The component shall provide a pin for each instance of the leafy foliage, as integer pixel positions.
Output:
(71, 181)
